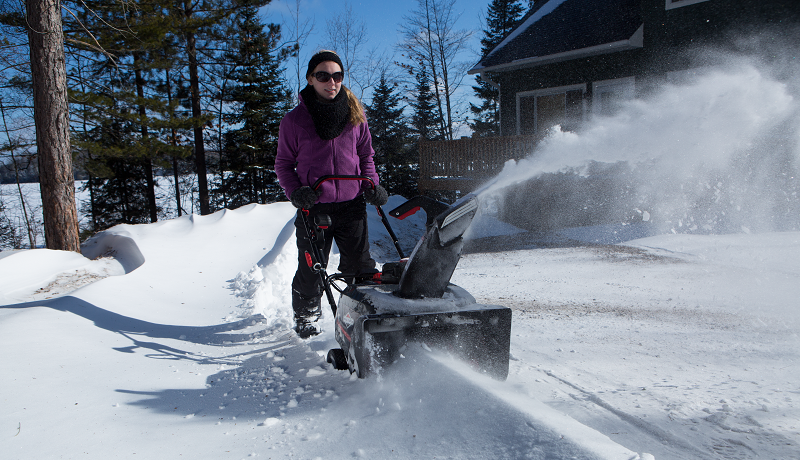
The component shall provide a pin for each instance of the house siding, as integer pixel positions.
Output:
(670, 36)
(575, 72)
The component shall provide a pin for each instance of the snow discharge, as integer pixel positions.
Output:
(716, 152)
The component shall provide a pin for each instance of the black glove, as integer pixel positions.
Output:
(305, 197)
(376, 196)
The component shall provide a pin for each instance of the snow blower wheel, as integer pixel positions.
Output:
(337, 357)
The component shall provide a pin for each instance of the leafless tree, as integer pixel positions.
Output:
(12, 149)
(347, 35)
(298, 33)
(431, 40)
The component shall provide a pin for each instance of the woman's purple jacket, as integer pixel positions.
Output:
(303, 157)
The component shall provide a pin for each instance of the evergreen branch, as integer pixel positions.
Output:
(104, 21)
(97, 47)
(90, 46)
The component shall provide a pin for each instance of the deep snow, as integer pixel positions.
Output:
(174, 339)
(677, 346)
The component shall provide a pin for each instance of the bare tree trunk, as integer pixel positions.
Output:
(199, 146)
(147, 162)
(177, 178)
(151, 188)
(174, 143)
(51, 116)
(431, 58)
(223, 193)
(299, 34)
(90, 182)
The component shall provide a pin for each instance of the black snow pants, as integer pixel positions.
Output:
(349, 230)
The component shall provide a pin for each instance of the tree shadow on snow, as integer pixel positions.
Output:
(281, 385)
(220, 334)
(281, 376)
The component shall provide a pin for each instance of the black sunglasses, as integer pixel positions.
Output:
(323, 77)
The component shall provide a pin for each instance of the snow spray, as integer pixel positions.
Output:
(714, 153)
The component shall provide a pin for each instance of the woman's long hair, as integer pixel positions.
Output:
(357, 115)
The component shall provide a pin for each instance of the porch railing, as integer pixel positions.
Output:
(466, 163)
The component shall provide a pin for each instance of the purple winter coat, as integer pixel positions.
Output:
(303, 157)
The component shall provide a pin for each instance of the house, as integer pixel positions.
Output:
(569, 59)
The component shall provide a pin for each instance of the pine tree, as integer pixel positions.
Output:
(424, 124)
(200, 20)
(117, 186)
(260, 100)
(501, 18)
(8, 234)
(122, 115)
(393, 159)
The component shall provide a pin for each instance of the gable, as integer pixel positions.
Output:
(560, 30)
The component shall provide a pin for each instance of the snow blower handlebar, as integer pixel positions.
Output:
(316, 259)
(431, 207)
(384, 220)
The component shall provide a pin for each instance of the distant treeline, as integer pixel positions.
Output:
(9, 176)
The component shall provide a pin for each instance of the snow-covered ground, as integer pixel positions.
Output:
(177, 342)
(174, 339)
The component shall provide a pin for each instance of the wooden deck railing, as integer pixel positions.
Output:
(464, 164)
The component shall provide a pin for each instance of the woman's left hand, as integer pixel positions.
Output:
(377, 196)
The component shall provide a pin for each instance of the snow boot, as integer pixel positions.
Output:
(306, 329)
(307, 312)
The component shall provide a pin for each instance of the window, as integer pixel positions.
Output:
(679, 3)
(608, 95)
(537, 111)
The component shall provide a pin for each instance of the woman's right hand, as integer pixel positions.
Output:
(304, 198)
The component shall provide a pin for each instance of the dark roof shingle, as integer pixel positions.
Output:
(561, 27)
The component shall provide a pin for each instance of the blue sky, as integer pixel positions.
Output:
(382, 19)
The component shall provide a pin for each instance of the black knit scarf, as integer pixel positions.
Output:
(330, 118)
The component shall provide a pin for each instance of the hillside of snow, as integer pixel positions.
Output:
(176, 341)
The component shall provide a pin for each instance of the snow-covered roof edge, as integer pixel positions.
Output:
(543, 11)
(635, 41)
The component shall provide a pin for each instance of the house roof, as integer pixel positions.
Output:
(561, 30)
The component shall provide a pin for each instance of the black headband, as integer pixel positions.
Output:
(321, 57)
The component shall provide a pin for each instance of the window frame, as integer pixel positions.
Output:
(628, 85)
(547, 92)
(672, 4)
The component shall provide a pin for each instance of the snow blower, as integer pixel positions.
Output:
(412, 300)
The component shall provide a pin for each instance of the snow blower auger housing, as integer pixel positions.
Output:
(412, 300)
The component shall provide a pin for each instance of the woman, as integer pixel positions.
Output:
(327, 134)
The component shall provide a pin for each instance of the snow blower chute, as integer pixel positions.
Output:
(412, 300)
